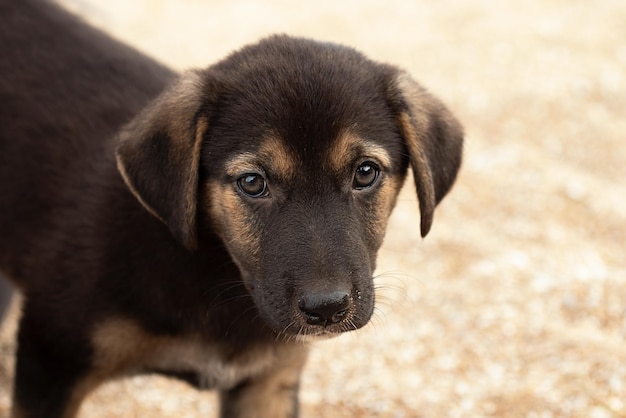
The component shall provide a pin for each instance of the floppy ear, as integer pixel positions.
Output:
(158, 156)
(434, 139)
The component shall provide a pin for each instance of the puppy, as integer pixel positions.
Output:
(207, 226)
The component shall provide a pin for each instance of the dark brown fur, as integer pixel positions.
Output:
(130, 220)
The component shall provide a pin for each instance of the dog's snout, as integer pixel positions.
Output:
(325, 308)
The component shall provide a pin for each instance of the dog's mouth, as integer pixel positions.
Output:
(315, 335)
(319, 317)
(308, 334)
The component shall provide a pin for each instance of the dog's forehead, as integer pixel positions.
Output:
(302, 106)
(301, 89)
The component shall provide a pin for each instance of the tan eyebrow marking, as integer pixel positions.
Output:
(280, 160)
(271, 155)
(342, 152)
(241, 163)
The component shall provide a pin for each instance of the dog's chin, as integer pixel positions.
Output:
(320, 336)
(305, 333)
(308, 334)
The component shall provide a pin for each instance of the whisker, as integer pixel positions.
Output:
(379, 320)
(242, 313)
(217, 300)
(284, 335)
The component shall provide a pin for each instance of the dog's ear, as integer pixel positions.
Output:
(434, 139)
(158, 155)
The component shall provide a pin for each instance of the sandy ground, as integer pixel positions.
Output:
(515, 304)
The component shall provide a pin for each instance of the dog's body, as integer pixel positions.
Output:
(210, 235)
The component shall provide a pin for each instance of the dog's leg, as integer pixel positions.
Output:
(50, 370)
(273, 394)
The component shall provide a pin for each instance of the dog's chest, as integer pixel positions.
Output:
(204, 366)
(122, 347)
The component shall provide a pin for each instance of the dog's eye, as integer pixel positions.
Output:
(253, 185)
(365, 175)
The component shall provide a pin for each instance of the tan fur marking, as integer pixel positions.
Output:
(119, 344)
(122, 347)
(231, 218)
(272, 155)
(273, 394)
(241, 163)
(385, 202)
(341, 153)
(279, 158)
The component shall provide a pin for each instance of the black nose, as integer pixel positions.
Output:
(325, 308)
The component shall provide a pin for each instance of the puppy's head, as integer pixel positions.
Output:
(295, 151)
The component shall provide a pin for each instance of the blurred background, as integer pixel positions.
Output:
(515, 304)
